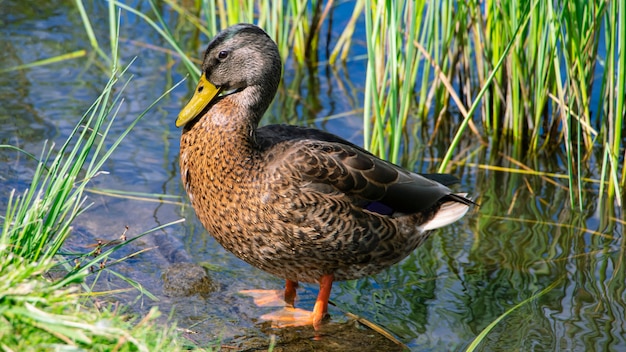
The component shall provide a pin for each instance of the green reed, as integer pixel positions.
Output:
(542, 98)
(614, 86)
(530, 69)
(391, 72)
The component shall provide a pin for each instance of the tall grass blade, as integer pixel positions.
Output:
(620, 89)
(52, 60)
(479, 339)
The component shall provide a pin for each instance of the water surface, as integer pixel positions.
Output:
(522, 239)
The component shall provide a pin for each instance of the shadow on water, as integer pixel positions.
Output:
(522, 239)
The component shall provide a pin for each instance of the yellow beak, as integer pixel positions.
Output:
(205, 93)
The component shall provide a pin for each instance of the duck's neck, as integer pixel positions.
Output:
(239, 112)
(224, 137)
(255, 100)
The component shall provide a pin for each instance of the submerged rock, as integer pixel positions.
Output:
(187, 279)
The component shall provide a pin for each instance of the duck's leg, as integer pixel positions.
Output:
(290, 292)
(321, 304)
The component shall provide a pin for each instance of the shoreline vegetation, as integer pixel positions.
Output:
(526, 79)
(45, 302)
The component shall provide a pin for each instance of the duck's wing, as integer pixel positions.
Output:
(271, 135)
(328, 163)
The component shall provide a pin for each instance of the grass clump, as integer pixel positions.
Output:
(38, 312)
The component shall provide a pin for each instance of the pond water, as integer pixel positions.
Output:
(523, 239)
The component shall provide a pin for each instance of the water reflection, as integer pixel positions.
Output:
(523, 238)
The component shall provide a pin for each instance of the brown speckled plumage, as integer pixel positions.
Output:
(296, 202)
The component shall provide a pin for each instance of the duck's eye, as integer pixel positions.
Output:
(222, 55)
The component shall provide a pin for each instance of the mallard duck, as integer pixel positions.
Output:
(299, 203)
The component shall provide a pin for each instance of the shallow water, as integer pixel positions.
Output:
(523, 239)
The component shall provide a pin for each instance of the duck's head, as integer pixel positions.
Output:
(242, 59)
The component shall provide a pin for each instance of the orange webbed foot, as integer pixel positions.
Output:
(289, 316)
(265, 298)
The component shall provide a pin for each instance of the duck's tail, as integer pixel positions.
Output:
(453, 208)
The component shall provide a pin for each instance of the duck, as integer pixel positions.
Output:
(299, 203)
